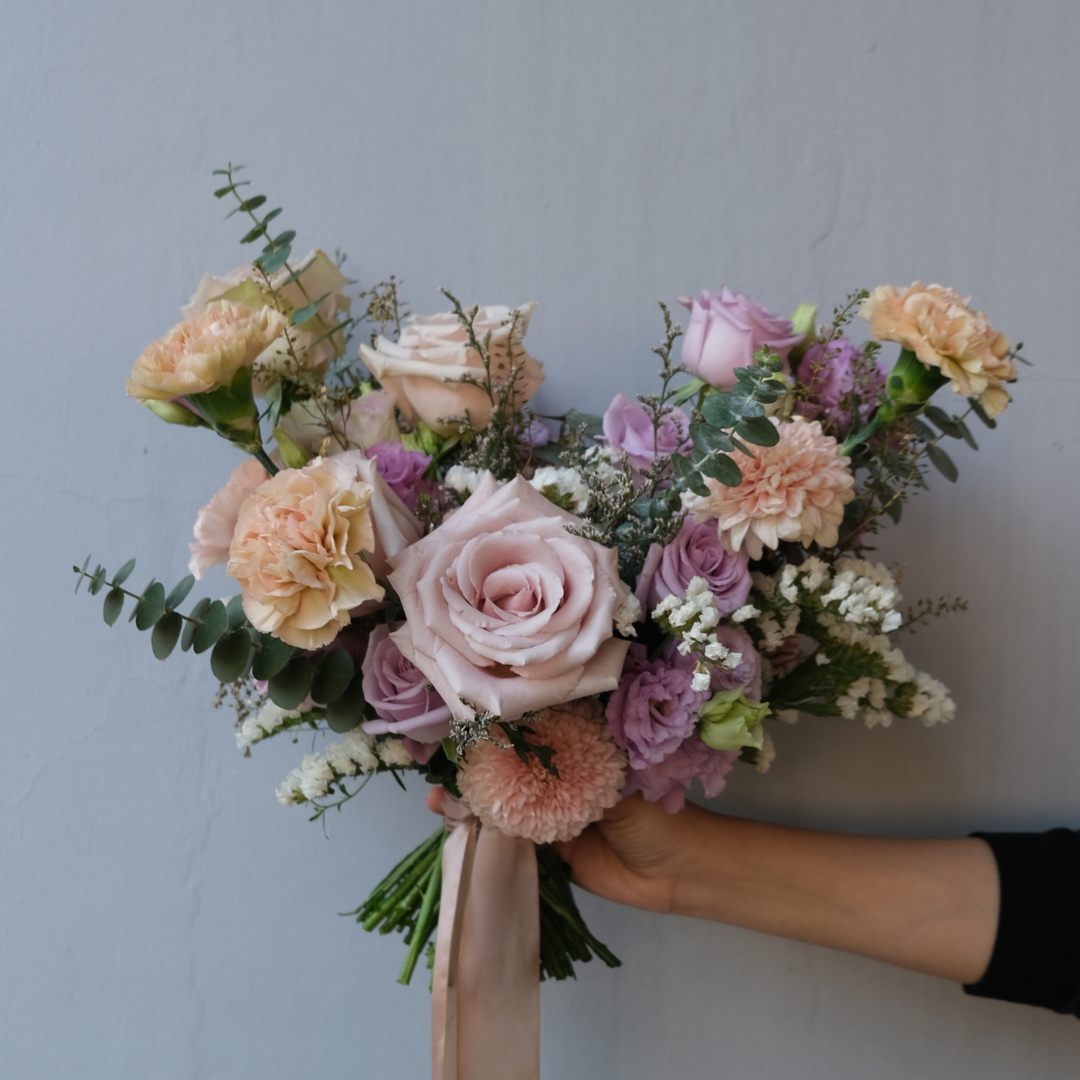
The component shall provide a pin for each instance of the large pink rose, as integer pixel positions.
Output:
(508, 611)
(725, 331)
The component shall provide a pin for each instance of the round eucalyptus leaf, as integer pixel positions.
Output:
(722, 468)
(213, 625)
(124, 572)
(114, 604)
(333, 677)
(348, 710)
(271, 656)
(166, 632)
(179, 592)
(151, 606)
(197, 612)
(291, 685)
(234, 611)
(229, 659)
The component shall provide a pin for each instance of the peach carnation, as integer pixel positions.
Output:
(217, 519)
(200, 354)
(523, 799)
(943, 331)
(795, 490)
(296, 552)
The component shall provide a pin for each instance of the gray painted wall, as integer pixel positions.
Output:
(160, 914)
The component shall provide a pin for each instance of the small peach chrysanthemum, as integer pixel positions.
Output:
(524, 799)
(943, 331)
(795, 490)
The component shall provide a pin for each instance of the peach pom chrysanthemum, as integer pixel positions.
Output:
(943, 331)
(524, 799)
(795, 490)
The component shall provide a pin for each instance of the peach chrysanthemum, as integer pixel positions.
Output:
(795, 490)
(524, 799)
(200, 354)
(943, 331)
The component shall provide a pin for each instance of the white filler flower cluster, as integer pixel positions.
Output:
(358, 753)
(692, 618)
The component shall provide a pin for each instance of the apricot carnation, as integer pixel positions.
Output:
(523, 799)
(943, 331)
(795, 490)
(200, 354)
(296, 552)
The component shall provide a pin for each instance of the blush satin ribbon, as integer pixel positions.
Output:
(485, 1002)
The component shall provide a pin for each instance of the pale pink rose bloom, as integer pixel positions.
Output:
(795, 490)
(521, 798)
(944, 331)
(508, 611)
(296, 552)
(217, 519)
(368, 420)
(199, 355)
(420, 369)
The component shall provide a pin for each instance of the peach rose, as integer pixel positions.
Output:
(508, 611)
(939, 327)
(421, 369)
(201, 354)
(296, 552)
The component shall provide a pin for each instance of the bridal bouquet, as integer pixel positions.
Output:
(543, 613)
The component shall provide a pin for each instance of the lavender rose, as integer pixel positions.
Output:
(506, 610)
(725, 331)
(654, 709)
(668, 782)
(695, 552)
(400, 693)
(403, 470)
(627, 426)
(833, 377)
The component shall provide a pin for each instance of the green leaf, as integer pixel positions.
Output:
(97, 581)
(717, 412)
(272, 655)
(251, 204)
(746, 407)
(166, 632)
(333, 677)
(922, 430)
(966, 433)
(213, 625)
(594, 425)
(267, 218)
(942, 421)
(114, 604)
(234, 611)
(253, 233)
(687, 391)
(894, 509)
(348, 710)
(697, 485)
(272, 261)
(291, 685)
(284, 239)
(758, 430)
(151, 607)
(222, 191)
(190, 626)
(179, 592)
(124, 572)
(980, 412)
(309, 311)
(722, 468)
(707, 439)
(79, 580)
(229, 659)
(942, 462)
(682, 465)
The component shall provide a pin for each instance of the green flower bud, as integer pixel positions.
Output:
(425, 440)
(804, 320)
(172, 413)
(730, 720)
(292, 453)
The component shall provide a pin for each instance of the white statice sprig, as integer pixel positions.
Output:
(564, 487)
(357, 754)
(692, 618)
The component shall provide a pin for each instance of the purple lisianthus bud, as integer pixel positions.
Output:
(628, 427)
(746, 675)
(667, 782)
(653, 710)
(838, 375)
(696, 551)
(400, 693)
(403, 470)
(725, 331)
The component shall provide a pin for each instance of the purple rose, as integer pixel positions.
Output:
(832, 378)
(403, 471)
(695, 552)
(747, 676)
(627, 426)
(725, 331)
(668, 782)
(653, 710)
(400, 693)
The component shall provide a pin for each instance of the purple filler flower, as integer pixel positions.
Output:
(400, 693)
(695, 552)
(654, 708)
(829, 379)
(668, 782)
(627, 426)
(403, 470)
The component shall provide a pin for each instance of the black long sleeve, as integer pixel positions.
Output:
(1036, 957)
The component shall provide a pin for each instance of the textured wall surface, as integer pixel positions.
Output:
(160, 914)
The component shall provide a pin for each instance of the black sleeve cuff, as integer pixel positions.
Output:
(1036, 958)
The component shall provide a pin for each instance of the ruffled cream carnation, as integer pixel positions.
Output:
(939, 327)
(524, 799)
(296, 552)
(795, 490)
(200, 354)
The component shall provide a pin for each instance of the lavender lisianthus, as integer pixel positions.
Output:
(746, 675)
(628, 427)
(696, 551)
(654, 709)
(668, 782)
(400, 693)
(836, 375)
(403, 471)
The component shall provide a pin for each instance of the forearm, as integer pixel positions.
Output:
(929, 905)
